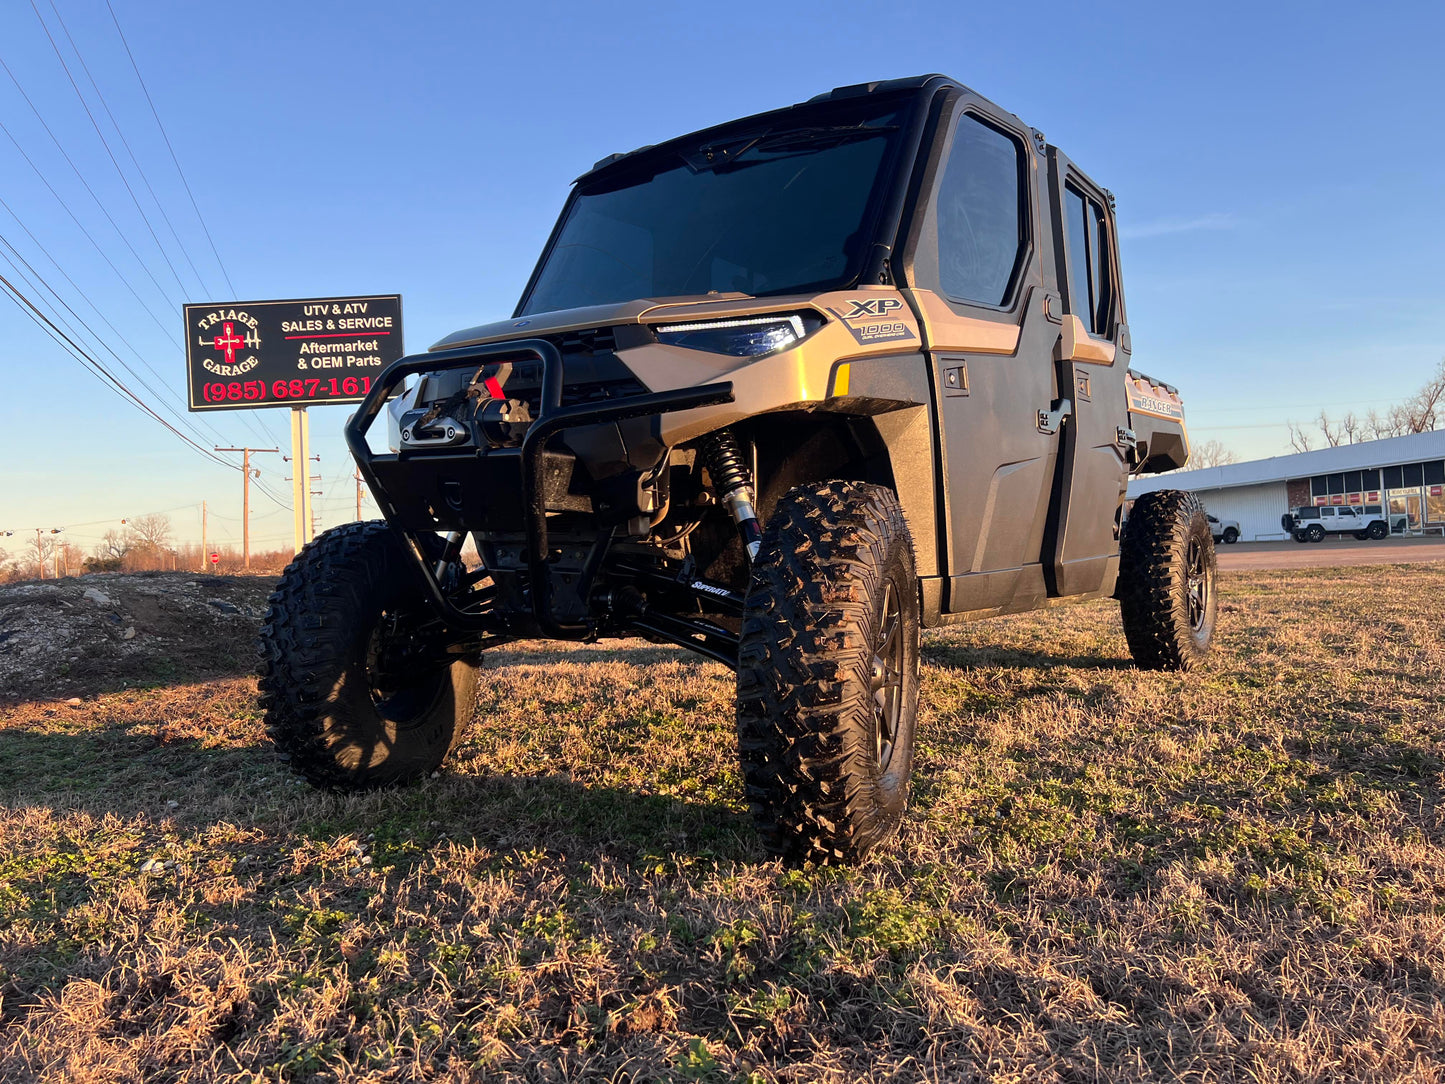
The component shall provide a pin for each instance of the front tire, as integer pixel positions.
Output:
(1167, 581)
(1231, 536)
(828, 673)
(1378, 530)
(351, 694)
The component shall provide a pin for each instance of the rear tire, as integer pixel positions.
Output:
(828, 673)
(343, 697)
(1315, 533)
(1167, 581)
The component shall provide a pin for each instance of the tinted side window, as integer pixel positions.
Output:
(1091, 291)
(980, 228)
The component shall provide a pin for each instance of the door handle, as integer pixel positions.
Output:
(1058, 410)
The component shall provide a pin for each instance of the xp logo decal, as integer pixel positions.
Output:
(229, 332)
(875, 320)
(871, 306)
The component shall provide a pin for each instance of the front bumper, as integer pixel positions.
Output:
(423, 492)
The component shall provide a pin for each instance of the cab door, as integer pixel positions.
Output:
(1092, 356)
(973, 271)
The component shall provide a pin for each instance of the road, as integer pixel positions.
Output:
(1331, 553)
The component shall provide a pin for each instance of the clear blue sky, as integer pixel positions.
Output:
(1278, 169)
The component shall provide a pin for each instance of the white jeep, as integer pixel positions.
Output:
(1313, 523)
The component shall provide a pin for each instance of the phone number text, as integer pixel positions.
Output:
(255, 391)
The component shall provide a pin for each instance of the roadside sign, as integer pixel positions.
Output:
(215, 558)
(245, 355)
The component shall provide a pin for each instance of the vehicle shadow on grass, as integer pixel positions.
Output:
(122, 771)
(957, 657)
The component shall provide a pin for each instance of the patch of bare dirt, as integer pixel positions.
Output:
(88, 634)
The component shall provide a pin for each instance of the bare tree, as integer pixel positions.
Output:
(115, 545)
(151, 532)
(1210, 454)
(1299, 440)
(1333, 433)
(42, 552)
(1425, 410)
(1420, 413)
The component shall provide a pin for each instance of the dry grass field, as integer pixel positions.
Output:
(1106, 874)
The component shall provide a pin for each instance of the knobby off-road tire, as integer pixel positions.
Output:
(828, 673)
(337, 702)
(1167, 581)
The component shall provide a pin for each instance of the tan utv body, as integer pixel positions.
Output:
(783, 392)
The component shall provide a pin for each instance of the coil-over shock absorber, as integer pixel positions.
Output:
(732, 481)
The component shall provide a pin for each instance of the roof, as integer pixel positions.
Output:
(1369, 453)
(776, 116)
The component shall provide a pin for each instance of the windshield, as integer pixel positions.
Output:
(757, 210)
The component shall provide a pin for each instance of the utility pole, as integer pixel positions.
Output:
(203, 536)
(300, 488)
(300, 485)
(246, 496)
(358, 495)
(40, 552)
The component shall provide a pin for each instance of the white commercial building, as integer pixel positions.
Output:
(1404, 476)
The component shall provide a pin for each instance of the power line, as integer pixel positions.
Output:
(96, 368)
(128, 149)
(250, 423)
(149, 101)
(109, 153)
(81, 177)
(37, 280)
(81, 226)
(192, 426)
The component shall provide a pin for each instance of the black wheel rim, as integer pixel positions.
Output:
(886, 679)
(403, 682)
(1197, 583)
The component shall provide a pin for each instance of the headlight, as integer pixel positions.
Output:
(743, 337)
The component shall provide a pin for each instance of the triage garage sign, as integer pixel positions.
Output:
(247, 354)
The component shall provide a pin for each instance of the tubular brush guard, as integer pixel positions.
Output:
(552, 420)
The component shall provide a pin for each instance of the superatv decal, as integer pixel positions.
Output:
(1147, 398)
(873, 320)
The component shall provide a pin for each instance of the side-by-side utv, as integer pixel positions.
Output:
(784, 392)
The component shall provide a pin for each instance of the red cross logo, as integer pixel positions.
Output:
(229, 341)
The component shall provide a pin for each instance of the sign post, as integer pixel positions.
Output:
(301, 475)
(249, 355)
